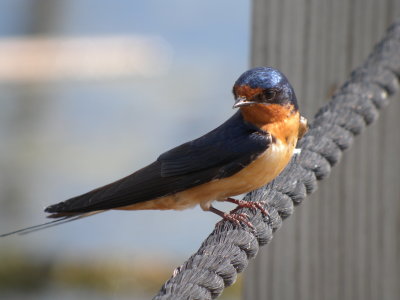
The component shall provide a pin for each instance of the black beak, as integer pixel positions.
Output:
(242, 102)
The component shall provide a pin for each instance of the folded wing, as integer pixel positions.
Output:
(218, 154)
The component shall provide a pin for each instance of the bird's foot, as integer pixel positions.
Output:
(238, 218)
(233, 217)
(249, 204)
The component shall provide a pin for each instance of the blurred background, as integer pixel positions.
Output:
(91, 91)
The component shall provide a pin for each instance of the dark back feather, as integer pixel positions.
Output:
(220, 153)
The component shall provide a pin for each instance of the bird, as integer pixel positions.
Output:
(245, 153)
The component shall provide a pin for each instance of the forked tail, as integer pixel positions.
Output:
(59, 221)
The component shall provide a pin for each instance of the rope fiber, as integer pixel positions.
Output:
(355, 105)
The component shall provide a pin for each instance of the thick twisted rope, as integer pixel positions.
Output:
(228, 248)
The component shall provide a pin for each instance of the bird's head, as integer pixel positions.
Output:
(265, 86)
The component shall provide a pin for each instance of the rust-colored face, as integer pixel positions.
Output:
(245, 95)
(245, 91)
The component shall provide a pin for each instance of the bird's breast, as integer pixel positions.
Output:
(257, 174)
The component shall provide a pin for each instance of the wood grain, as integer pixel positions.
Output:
(343, 242)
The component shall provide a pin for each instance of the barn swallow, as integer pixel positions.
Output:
(246, 152)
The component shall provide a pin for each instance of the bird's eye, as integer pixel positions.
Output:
(268, 95)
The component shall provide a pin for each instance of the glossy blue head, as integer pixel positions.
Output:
(263, 85)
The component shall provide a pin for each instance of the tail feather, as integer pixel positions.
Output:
(61, 220)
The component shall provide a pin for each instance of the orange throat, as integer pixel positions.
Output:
(281, 122)
(260, 114)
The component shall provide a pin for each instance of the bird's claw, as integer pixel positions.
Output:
(249, 204)
(238, 218)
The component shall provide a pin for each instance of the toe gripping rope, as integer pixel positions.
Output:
(228, 248)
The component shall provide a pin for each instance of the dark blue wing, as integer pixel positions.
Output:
(218, 154)
(233, 143)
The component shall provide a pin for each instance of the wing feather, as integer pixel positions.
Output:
(218, 154)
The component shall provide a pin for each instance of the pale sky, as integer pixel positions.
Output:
(91, 132)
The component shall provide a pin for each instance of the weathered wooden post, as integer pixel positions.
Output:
(343, 242)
